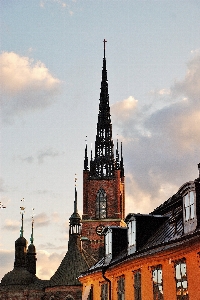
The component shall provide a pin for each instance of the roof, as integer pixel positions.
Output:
(169, 234)
(73, 264)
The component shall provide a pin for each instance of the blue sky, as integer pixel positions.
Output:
(50, 73)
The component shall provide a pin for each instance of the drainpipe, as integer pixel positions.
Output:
(104, 269)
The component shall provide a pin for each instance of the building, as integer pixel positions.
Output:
(156, 257)
(103, 205)
(103, 180)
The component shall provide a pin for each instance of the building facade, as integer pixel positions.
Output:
(159, 255)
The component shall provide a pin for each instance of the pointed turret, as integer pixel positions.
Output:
(75, 223)
(21, 245)
(75, 261)
(31, 254)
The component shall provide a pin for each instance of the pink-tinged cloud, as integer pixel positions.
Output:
(160, 141)
(25, 85)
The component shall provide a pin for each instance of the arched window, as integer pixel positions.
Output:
(101, 204)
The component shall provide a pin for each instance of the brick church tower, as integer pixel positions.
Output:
(103, 180)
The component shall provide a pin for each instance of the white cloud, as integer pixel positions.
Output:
(124, 109)
(161, 145)
(7, 262)
(44, 154)
(24, 85)
(11, 225)
(47, 263)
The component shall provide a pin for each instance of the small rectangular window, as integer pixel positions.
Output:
(189, 205)
(121, 288)
(108, 242)
(104, 291)
(132, 237)
(137, 285)
(181, 280)
(157, 282)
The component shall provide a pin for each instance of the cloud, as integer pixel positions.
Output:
(47, 263)
(24, 85)
(7, 262)
(11, 225)
(40, 156)
(47, 153)
(161, 140)
(42, 220)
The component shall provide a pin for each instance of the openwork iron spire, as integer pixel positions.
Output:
(103, 164)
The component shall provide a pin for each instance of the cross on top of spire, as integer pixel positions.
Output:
(104, 41)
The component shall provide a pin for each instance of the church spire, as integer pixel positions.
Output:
(75, 219)
(103, 164)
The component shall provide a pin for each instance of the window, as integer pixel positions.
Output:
(137, 285)
(101, 204)
(121, 288)
(181, 280)
(132, 236)
(108, 242)
(189, 205)
(104, 291)
(157, 283)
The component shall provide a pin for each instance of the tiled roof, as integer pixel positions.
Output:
(73, 264)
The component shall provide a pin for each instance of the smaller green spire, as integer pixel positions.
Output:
(32, 239)
(22, 208)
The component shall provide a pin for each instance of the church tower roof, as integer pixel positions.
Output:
(103, 164)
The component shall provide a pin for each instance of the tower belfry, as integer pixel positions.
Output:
(103, 178)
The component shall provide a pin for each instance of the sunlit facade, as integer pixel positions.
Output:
(161, 258)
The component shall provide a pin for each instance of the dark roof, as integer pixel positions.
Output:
(20, 277)
(73, 264)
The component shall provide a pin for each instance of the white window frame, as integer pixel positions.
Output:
(132, 236)
(189, 200)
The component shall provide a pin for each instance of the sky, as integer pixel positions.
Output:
(51, 54)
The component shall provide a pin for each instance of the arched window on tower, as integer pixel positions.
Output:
(101, 204)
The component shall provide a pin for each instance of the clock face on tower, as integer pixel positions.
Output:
(99, 229)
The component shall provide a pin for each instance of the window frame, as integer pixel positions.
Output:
(101, 204)
(157, 282)
(189, 206)
(104, 291)
(132, 236)
(137, 284)
(121, 288)
(181, 291)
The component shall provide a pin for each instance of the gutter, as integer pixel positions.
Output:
(104, 269)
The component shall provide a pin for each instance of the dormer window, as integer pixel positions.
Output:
(108, 246)
(189, 207)
(131, 236)
(108, 242)
(101, 204)
(189, 211)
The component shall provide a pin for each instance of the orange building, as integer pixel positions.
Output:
(156, 257)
